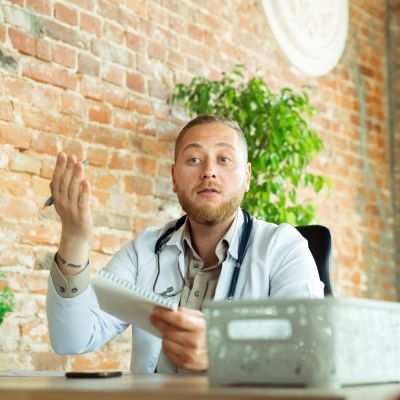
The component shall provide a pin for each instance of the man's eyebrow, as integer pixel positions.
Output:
(199, 146)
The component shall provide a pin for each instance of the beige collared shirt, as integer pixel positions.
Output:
(200, 281)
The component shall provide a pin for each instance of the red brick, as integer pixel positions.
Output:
(135, 82)
(74, 104)
(93, 89)
(86, 4)
(40, 6)
(65, 34)
(22, 42)
(105, 136)
(97, 156)
(147, 127)
(65, 14)
(45, 73)
(113, 74)
(164, 169)
(17, 208)
(64, 55)
(107, 181)
(73, 146)
(156, 13)
(175, 59)
(146, 165)
(63, 125)
(135, 42)
(110, 52)
(36, 283)
(156, 50)
(16, 136)
(113, 32)
(47, 167)
(45, 143)
(138, 185)
(40, 233)
(15, 184)
(43, 50)
(90, 23)
(139, 104)
(99, 361)
(147, 205)
(40, 187)
(196, 33)
(158, 89)
(161, 110)
(2, 33)
(6, 110)
(99, 113)
(48, 361)
(137, 6)
(140, 223)
(88, 65)
(157, 149)
(46, 97)
(101, 197)
(121, 161)
(124, 120)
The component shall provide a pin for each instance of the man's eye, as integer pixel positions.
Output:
(224, 160)
(194, 161)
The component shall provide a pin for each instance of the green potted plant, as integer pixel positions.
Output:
(280, 140)
(6, 298)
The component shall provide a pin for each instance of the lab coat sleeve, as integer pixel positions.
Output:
(294, 273)
(77, 325)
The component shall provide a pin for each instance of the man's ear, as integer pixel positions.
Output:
(248, 177)
(173, 178)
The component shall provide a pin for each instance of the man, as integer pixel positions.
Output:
(210, 176)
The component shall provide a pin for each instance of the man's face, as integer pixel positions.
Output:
(210, 175)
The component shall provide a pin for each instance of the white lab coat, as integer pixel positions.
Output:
(278, 264)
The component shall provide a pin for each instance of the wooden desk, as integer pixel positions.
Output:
(164, 387)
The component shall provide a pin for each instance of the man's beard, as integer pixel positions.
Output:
(209, 213)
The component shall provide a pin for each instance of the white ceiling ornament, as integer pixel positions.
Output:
(311, 33)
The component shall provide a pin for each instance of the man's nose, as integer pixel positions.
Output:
(209, 170)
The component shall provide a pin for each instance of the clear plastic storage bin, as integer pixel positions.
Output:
(310, 342)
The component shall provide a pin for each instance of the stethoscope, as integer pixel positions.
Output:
(163, 239)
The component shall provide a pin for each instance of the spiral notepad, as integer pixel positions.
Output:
(128, 302)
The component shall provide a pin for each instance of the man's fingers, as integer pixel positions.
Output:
(75, 183)
(183, 319)
(66, 178)
(84, 199)
(57, 174)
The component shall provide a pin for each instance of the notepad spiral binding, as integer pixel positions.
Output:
(147, 294)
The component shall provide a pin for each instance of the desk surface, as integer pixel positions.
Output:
(165, 387)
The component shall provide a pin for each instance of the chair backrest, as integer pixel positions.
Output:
(320, 244)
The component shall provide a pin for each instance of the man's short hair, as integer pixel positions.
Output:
(206, 119)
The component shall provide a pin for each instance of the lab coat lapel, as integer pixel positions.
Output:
(172, 257)
(221, 291)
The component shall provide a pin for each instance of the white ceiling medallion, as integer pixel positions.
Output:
(311, 33)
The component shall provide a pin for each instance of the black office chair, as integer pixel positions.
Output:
(320, 244)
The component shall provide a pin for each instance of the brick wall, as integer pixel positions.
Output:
(393, 50)
(93, 77)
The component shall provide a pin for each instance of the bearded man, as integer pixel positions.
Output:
(199, 254)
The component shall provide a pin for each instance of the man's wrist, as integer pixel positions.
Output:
(62, 263)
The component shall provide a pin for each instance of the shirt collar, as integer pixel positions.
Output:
(232, 236)
(222, 246)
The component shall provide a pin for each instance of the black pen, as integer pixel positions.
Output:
(49, 202)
